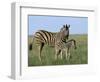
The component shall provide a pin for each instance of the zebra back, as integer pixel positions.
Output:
(45, 37)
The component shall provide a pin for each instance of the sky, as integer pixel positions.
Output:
(78, 25)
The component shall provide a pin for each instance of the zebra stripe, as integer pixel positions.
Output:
(48, 36)
(42, 36)
(68, 44)
(45, 37)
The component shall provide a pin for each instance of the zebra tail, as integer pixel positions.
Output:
(30, 46)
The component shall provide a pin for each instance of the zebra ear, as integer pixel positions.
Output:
(64, 26)
(68, 26)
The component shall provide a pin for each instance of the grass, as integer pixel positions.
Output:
(78, 56)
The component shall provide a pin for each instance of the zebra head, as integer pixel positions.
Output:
(65, 31)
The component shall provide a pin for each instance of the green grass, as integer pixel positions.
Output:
(78, 56)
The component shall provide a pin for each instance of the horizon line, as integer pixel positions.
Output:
(69, 34)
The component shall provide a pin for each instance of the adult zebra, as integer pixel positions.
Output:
(43, 37)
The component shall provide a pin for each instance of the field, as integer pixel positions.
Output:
(78, 56)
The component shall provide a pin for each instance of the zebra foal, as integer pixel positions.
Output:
(66, 47)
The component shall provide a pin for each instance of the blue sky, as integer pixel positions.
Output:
(78, 25)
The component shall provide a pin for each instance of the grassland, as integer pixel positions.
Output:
(78, 56)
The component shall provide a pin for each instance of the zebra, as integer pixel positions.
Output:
(43, 37)
(66, 47)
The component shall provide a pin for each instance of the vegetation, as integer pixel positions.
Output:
(78, 56)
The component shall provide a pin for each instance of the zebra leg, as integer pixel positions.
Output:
(40, 50)
(66, 54)
(57, 53)
(61, 54)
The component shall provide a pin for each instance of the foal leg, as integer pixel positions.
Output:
(66, 54)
